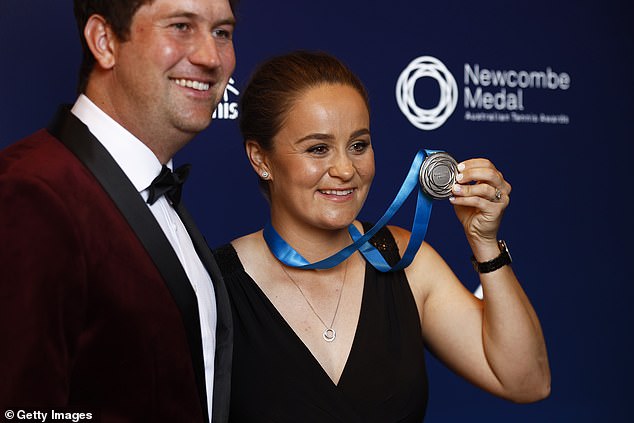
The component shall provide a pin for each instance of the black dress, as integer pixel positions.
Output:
(275, 378)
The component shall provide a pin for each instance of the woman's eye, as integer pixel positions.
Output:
(360, 146)
(318, 149)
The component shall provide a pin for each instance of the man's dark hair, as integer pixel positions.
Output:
(118, 14)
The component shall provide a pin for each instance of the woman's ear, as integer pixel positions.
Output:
(258, 159)
(101, 41)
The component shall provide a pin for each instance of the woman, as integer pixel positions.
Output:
(346, 344)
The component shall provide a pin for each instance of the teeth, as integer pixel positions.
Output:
(197, 85)
(336, 192)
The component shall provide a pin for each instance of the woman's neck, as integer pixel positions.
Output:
(313, 243)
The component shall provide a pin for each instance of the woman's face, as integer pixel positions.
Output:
(322, 162)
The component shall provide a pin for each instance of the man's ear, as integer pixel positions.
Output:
(101, 40)
(258, 159)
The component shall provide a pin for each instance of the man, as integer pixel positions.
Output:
(110, 301)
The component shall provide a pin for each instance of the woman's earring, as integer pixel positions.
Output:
(265, 174)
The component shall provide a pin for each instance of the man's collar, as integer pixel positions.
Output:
(136, 160)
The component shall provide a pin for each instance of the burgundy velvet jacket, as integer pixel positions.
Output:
(96, 312)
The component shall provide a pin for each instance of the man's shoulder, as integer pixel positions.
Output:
(42, 170)
(39, 154)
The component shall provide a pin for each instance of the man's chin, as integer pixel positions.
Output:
(194, 126)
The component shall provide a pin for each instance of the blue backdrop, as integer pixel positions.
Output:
(545, 89)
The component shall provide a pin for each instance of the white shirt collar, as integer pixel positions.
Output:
(136, 160)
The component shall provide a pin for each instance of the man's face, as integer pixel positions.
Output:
(172, 70)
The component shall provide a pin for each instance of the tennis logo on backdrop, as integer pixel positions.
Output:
(489, 95)
(227, 109)
(426, 67)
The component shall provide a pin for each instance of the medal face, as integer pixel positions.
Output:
(438, 174)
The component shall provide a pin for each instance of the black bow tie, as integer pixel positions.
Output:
(168, 183)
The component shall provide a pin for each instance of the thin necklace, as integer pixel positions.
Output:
(329, 332)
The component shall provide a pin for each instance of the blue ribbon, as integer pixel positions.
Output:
(287, 254)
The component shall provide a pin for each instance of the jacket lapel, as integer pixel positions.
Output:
(78, 139)
(224, 327)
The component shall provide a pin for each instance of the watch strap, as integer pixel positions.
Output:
(494, 264)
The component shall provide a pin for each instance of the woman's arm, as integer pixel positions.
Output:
(496, 343)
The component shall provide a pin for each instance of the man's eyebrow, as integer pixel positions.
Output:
(227, 21)
(194, 16)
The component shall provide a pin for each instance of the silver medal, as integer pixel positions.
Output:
(438, 175)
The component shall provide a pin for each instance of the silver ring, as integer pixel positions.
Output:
(498, 194)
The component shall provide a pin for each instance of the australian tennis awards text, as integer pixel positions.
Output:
(504, 90)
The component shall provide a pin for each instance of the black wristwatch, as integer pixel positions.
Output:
(489, 266)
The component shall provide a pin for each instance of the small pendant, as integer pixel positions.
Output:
(329, 335)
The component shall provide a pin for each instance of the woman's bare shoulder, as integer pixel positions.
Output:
(248, 241)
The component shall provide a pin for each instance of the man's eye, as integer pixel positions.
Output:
(181, 26)
(223, 33)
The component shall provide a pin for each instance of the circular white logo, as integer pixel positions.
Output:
(426, 119)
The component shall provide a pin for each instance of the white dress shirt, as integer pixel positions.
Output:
(141, 166)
